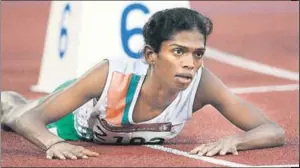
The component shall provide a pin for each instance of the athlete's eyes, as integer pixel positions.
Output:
(178, 51)
(199, 54)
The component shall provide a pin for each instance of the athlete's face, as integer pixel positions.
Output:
(179, 58)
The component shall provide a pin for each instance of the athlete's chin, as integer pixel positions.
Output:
(181, 86)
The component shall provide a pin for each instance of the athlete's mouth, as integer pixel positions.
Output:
(184, 75)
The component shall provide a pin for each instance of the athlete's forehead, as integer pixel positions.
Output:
(191, 39)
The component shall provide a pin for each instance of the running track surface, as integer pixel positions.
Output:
(266, 32)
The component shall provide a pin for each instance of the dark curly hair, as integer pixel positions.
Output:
(162, 25)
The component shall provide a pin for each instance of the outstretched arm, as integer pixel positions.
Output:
(260, 132)
(32, 123)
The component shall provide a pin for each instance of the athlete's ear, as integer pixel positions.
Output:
(150, 55)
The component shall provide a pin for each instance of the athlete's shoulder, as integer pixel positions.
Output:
(128, 66)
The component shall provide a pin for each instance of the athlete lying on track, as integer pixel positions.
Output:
(143, 101)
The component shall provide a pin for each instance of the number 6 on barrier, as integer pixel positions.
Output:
(63, 32)
(125, 33)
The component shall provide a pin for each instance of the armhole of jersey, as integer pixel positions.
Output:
(107, 83)
(194, 92)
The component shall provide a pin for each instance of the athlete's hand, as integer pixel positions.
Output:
(222, 147)
(65, 150)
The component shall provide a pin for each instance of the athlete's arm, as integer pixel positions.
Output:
(32, 124)
(260, 132)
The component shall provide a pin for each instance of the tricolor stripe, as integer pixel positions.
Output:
(120, 95)
(116, 97)
(130, 94)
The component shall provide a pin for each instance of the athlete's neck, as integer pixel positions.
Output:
(155, 92)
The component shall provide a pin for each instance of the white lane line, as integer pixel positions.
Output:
(203, 158)
(243, 63)
(211, 159)
(289, 165)
(264, 89)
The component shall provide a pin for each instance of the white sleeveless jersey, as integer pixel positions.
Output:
(109, 120)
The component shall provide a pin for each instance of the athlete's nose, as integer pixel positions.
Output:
(188, 62)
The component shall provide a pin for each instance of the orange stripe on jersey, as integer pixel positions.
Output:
(117, 97)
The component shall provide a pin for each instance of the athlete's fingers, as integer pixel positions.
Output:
(195, 150)
(234, 151)
(84, 157)
(224, 150)
(83, 152)
(206, 148)
(59, 155)
(49, 154)
(90, 153)
(214, 150)
(69, 155)
(80, 155)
